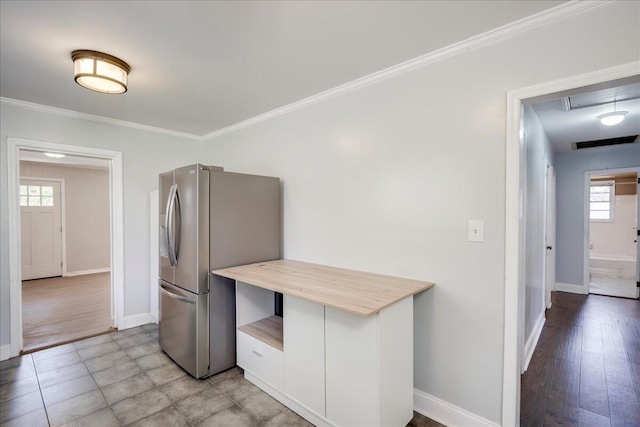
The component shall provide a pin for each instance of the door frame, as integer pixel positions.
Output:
(587, 223)
(63, 223)
(515, 226)
(550, 204)
(14, 145)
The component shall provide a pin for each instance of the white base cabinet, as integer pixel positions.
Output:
(304, 365)
(260, 358)
(336, 368)
(369, 366)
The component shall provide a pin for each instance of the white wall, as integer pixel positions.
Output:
(86, 211)
(385, 178)
(616, 237)
(538, 154)
(570, 169)
(145, 155)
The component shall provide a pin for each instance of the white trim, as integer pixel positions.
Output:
(586, 228)
(117, 235)
(63, 213)
(297, 407)
(510, 30)
(571, 288)
(93, 118)
(513, 29)
(83, 272)
(5, 352)
(154, 243)
(136, 320)
(532, 341)
(513, 224)
(615, 273)
(446, 413)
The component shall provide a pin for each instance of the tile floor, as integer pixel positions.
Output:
(123, 378)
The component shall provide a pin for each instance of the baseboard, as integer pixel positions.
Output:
(568, 287)
(83, 272)
(532, 341)
(5, 351)
(613, 273)
(136, 320)
(287, 401)
(445, 412)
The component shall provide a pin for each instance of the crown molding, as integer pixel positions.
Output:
(513, 29)
(93, 118)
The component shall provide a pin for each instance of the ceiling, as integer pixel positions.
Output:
(197, 67)
(574, 118)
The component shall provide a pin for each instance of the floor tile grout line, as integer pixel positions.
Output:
(243, 408)
(35, 369)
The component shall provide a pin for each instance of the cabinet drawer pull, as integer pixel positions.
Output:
(257, 353)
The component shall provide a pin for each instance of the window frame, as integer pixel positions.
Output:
(612, 193)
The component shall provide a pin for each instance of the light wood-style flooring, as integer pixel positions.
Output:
(64, 309)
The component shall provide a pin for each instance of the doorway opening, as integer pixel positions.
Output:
(114, 278)
(612, 233)
(65, 246)
(516, 295)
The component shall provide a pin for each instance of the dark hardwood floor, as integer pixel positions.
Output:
(586, 367)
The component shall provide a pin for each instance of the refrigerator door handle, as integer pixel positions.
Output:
(176, 296)
(169, 225)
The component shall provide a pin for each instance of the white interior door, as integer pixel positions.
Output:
(41, 228)
(550, 236)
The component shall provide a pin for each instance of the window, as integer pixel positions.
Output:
(601, 201)
(36, 195)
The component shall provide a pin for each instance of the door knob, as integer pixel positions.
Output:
(549, 247)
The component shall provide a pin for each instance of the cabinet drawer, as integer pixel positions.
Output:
(262, 360)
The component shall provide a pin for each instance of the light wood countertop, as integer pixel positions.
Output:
(352, 291)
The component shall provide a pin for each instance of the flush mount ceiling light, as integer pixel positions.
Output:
(54, 155)
(99, 71)
(612, 118)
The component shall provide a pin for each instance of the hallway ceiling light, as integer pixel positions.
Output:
(613, 118)
(54, 155)
(99, 71)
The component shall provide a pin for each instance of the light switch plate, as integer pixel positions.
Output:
(476, 230)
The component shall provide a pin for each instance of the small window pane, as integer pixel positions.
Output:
(23, 201)
(34, 190)
(600, 206)
(47, 191)
(47, 201)
(600, 197)
(34, 201)
(600, 215)
(601, 189)
(23, 190)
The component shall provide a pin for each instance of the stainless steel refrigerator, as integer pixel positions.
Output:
(209, 219)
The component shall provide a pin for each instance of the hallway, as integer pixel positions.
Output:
(586, 367)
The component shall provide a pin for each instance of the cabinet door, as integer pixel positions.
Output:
(304, 353)
(352, 374)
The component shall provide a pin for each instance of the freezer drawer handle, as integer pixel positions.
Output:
(174, 296)
(259, 354)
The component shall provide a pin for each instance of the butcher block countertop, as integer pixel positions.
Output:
(356, 292)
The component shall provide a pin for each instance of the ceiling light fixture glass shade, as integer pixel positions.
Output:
(613, 118)
(54, 155)
(99, 71)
